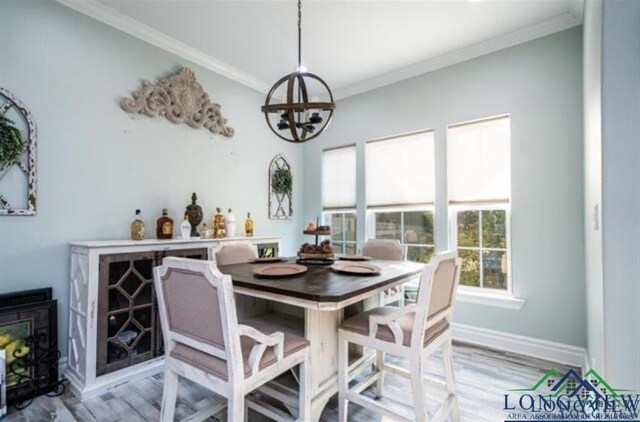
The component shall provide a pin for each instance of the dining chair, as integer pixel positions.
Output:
(390, 250)
(235, 253)
(413, 332)
(205, 343)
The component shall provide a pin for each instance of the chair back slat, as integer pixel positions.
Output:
(235, 253)
(443, 286)
(186, 294)
(390, 250)
(437, 291)
(197, 309)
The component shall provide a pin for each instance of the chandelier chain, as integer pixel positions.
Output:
(299, 34)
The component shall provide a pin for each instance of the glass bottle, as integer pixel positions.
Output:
(231, 224)
(185, 228)
(205, 233)
(219, 224)
(137, 227)
(164, 226)
(248, 226)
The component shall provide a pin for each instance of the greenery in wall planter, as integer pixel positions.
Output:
(282, 181)
(11, 142)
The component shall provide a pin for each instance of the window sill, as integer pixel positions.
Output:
(488, 299)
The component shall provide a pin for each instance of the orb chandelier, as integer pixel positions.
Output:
(294, 108)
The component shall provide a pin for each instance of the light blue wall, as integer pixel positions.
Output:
(539, 83)
(620, 190)
(96, 164)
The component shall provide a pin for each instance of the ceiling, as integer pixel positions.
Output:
(353, 45)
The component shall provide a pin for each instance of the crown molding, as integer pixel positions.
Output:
(576, 8)
(124, 23)
(557, 24)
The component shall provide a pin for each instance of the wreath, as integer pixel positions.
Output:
(11, 142)
(282, 181)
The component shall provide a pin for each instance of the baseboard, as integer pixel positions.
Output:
(528, 346)
(63, 362)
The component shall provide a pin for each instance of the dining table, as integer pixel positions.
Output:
(314, 303)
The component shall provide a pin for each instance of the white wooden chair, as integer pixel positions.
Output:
(413, 332)
(235, 253)
(390, 250)
(205, 343)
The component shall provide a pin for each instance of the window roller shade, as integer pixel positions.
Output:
(339, 178)
(400, 171)
(478, 162)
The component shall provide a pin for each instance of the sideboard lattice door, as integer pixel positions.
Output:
(127, 311)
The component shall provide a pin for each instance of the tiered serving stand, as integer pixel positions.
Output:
(316, 259)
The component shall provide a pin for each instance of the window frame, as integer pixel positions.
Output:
(371, 224)
(327, 217)
(453, 236)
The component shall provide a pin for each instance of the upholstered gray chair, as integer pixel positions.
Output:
(387, 249)
(205, 343)
(413, 332)
(235, 253)
(390, 250)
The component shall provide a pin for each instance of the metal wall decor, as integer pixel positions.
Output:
(24, 166)
(301, 117)
(180, 99)
(280, 205)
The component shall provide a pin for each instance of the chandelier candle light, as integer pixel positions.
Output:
(300, 118)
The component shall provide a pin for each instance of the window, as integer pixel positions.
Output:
(343, 232)
(482, 245)
(400, 187)
(413, 229)
(479, 174)
(339, 197)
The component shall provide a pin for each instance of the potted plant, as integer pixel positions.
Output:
(282, 181)
(11, 142)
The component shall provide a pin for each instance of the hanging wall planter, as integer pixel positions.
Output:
(11, 142)
(17, 157)
(280, 188)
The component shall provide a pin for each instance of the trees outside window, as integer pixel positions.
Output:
(413, 229)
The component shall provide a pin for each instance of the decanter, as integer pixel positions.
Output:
(194, 212)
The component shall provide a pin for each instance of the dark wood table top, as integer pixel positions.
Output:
(320, 283)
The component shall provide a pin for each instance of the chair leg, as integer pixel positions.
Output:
(235, 407)
(380, 369)
(304, 400)
(447, 360)
(343, 380)
(169, 396)
(417, 384)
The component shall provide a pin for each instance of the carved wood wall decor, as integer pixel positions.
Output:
(280, 204)
(13, 175)
(180, 99)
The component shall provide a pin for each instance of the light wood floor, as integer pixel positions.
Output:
(482, 377)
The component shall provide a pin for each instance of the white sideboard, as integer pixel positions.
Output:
(85, 306)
